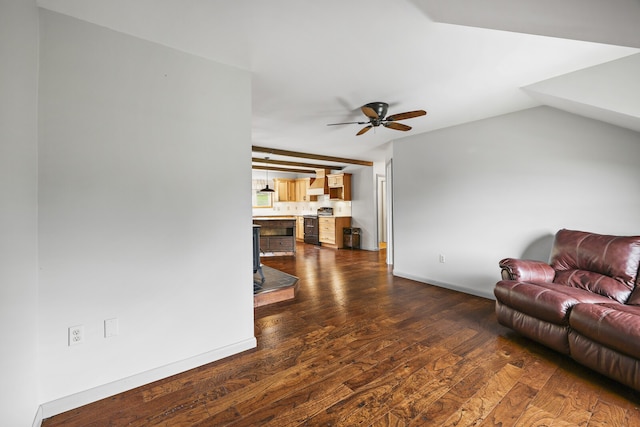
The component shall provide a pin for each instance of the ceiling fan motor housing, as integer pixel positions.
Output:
(381, 110)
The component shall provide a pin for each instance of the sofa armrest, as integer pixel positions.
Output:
(526, 270)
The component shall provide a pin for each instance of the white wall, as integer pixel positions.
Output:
(145, 167)
(482, 191)
(363, 206)
(18, 211)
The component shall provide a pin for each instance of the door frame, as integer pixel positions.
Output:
(389, 213)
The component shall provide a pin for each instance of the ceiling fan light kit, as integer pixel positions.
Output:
(377, 112)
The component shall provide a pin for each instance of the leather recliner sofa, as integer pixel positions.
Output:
(584, 303)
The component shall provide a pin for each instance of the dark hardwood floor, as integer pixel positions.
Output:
(360, 347)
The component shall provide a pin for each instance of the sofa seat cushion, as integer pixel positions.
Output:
(550, 302)
(616, 326)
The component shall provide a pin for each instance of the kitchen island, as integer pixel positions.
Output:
(277, 235)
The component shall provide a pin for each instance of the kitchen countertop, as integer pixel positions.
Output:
(267, 218)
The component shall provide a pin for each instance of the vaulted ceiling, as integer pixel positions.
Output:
(315, 63)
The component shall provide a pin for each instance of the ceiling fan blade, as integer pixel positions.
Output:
(397, 126)
(363, 130)
(347, 123)
(370, 112)
(407, 115)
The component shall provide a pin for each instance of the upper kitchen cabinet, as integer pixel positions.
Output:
(339, 186)
(293, 190)
(302, 189)
(286, 190)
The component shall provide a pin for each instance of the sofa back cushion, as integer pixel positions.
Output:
(607, 265)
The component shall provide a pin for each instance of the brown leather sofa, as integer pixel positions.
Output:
(584, 303)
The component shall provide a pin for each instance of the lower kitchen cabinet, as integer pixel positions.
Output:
(331, 229)
(300, 228)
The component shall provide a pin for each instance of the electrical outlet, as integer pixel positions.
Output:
(442, 258)
(110, 328)
(76, 335)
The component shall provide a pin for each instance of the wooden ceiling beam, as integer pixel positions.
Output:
(288, 153)
(298, 164)
(290, 170)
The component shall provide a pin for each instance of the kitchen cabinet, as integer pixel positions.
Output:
(300, 228)
(286, 190)
(302, 187)
(339, 186)
(335, 180)
(293, 190)
(331, 230)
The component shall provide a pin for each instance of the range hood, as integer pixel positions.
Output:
(319, 185)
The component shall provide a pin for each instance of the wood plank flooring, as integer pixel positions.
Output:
(358, 346)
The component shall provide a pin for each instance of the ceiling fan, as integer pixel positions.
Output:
(376, 112)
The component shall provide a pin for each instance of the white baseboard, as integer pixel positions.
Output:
(487, 295)
(82, 398)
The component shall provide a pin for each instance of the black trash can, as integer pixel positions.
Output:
(351, 237)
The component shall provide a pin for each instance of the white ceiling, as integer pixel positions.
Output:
(315, 63)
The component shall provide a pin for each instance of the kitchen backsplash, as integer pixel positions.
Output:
(340, 208)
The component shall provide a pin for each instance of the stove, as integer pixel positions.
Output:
(311, 229)
(311, 225)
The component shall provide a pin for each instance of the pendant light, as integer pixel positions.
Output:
(266, 188)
